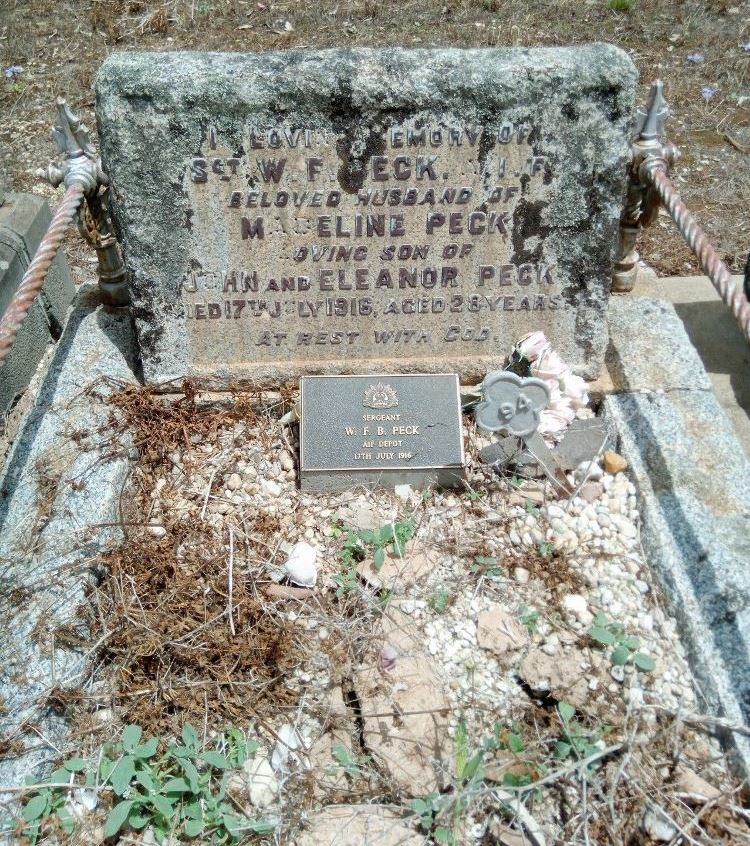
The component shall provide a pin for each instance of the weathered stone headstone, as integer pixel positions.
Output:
(380, 430)
(361, 210)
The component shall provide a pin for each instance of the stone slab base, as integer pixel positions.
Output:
(62, 486)
(693, 479)
(344, 480)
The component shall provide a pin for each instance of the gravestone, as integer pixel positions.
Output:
(351, 211)
(380, 430)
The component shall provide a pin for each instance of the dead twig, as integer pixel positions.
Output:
(571, 768)
(714, 725)
(231, 581)
(742, 148)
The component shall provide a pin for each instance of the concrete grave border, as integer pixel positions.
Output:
(693, 480)
(60, 497)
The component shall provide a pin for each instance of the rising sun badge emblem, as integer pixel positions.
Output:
(380, 396)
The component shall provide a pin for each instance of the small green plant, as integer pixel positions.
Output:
(576, 740)
(620, 5)
(352, 766)
(486, 565)
(474, 496)
(529, 617)
(51, 802)
(440, 814)
(430, 808)
(181, 791)
(526, 769)
(237, 748)
(530, 508)
(439, 601)
(358, 544)
(546, 549)
(625, 648)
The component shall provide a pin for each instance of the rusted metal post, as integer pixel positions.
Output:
(641, 202)
(80, 164)
(649, 187)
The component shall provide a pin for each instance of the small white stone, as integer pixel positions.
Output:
(577, 605)
(157, 531)
(86, 798)
(234, 482)
(261, 781)
(551, 645)
(403, 492)
(588, 470)
(658, 827)
(300, 566)
(289, 740)
(635, 697)
(521, 575)
(286, 461)
(617, 673)
(271, 488)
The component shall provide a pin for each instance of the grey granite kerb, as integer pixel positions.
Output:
(59, 511)
(693, 479)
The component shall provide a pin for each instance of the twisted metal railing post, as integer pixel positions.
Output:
(712, 265)
(86, 187)
(649, 186)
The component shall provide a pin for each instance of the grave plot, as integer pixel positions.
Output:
(488, 665)
(260, 643)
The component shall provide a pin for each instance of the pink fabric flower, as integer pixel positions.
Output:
(574, 387)
(533, 345)
(567, 391)
(549, 366)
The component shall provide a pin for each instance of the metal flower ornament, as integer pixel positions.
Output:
(511, 403)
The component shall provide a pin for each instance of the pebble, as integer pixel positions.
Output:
(577, 605)
(658, 827)
(521, 575)
(157, 531)
(618, 673)
(286, 461)
(271, 488)
(613, 462)
(261, 782)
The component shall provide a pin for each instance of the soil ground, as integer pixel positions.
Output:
(60, 46)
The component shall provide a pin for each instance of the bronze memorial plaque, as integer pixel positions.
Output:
(380, 430)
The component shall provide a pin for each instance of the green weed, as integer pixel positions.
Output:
(181, 791)
(625, 648)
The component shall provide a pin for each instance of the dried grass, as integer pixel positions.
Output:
(162, 612)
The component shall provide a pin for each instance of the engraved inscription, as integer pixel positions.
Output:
(413, 238)
(341, 429)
